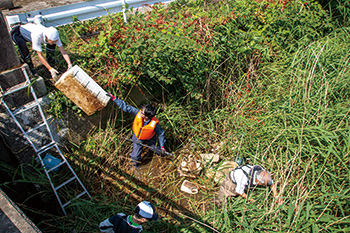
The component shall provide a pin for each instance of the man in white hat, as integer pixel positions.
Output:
(245, 177)
(122, 223)
(38, 34)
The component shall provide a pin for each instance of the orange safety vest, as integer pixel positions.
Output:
(144, 132)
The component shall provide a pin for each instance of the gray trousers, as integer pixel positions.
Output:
(137, 149)
(227, 189)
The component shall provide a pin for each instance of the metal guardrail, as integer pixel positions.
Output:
(62, 15)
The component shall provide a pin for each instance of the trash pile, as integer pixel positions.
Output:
(191, 166)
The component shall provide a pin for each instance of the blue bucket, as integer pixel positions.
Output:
(50, 162)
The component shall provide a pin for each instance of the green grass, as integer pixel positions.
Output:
(285, 105)
(299, 131)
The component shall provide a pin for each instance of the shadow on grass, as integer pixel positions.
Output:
(173, 212)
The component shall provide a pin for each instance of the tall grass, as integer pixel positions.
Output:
(302, 138)
(294, 121)
(289, 114)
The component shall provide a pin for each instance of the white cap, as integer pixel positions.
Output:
(146, 210)
(51, 33)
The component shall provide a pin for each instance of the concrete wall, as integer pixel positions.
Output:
(8, 58)
(12, 218)
(18, 150)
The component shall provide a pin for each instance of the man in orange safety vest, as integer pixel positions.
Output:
(145, 128)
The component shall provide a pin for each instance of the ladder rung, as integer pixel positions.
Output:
(35, 128)
(64, 183)
(68, 202)
(58, 165)
(46, 147)
(18, 87)
(25, 108)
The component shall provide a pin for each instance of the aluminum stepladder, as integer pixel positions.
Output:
(51, 146)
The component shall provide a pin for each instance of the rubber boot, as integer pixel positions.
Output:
(29, 62)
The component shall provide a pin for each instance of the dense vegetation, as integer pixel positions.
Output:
(270, 81)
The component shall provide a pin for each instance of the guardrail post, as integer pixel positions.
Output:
(124, 14)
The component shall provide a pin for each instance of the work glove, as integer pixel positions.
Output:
(163, 150)
(69, 67)
(111, 96)
(54, 73)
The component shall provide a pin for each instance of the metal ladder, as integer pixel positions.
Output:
(64, 198)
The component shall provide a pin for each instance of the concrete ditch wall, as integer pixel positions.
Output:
(12, 218)
(71, 128)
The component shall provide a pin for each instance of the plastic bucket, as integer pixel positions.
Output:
(189, 187)
(51, 161)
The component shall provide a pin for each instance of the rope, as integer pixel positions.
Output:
(183, 215)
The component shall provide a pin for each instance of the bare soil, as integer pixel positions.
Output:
(22, 6)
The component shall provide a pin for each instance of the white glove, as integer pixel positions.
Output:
(69, 67)
(54, 73)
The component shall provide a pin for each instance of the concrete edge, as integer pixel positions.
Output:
(16, 216)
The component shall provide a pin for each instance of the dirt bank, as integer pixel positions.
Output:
(22, 6)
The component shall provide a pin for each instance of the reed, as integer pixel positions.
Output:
(272, 87)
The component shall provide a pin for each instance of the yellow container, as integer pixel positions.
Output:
(82, 90)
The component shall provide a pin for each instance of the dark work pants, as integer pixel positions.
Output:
(22, 47)
(137, 149)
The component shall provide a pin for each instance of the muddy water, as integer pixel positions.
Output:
(161, 173)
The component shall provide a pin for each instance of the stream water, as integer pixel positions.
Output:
(161, 173)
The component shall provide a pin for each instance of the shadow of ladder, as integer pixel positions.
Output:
(50, 146)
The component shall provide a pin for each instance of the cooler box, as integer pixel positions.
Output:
(50, 162)
(82, 90)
